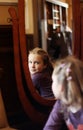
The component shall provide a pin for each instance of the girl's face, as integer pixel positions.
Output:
(56, 87)
(35, 63)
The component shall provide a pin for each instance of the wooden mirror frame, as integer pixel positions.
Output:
(21, 41)
(35, 95)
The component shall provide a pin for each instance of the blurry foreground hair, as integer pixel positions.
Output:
(69, 72)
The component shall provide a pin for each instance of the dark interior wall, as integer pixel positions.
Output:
(29, 42)
(15, 113)
(8, 83)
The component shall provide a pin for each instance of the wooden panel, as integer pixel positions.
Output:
(81, 46)
(29, 42)
(76, 27)
(6, 38)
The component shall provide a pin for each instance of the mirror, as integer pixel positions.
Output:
(50, 15)
(39, 25)
(47, 17)
(58, 17)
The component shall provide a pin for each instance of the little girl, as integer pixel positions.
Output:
(41, 69)
(67, 86)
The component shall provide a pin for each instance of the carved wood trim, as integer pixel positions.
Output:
(81, 46)
(76, 27)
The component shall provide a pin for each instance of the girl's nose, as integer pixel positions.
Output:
(33, 65)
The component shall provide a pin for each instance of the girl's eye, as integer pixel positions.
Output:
(30, 61)
(36, 62)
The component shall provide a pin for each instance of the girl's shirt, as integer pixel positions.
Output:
(43, 82)
(60, 119)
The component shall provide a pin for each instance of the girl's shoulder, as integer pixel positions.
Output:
(37, 76)
(57, 105)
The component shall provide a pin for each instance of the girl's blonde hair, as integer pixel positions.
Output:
(69, 72)
(44, 55)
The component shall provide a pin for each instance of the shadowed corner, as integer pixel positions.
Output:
(1, 72)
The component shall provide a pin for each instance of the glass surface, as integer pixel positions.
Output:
(56, 29)
(58, 38)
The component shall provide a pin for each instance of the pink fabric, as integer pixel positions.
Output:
(80, 127)
(71, 127)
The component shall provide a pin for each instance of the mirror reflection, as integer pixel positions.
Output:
(41, 69)
(54, 29)
(58, 16)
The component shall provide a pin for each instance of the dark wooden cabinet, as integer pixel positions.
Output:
(6, 38)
